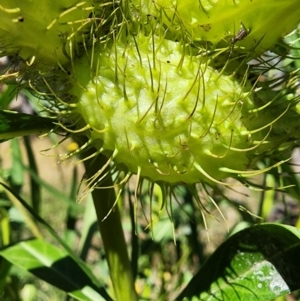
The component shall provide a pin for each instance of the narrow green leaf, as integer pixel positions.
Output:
(35, 188)
(7, 96)
(72, 213)
(258, 263)
(4, 272)
(290, 179)
(14, 124)
(89, 227)
(85, 294)
(16, 171)
(5, 227)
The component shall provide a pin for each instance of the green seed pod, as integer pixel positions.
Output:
(49, 32)
(168, 116)
(149, 103)
(253, 25)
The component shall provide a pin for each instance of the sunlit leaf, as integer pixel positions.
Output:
(258, 263)
(54, 266)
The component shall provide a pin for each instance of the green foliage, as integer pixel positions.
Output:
(257, 263)
(262, 258)
(172, 227)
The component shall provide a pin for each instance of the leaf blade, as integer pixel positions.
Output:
(54, 266)
(258, 263)
(14, 124)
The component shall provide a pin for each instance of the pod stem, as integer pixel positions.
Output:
(112, 234)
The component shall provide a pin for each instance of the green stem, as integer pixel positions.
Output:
(112, 234)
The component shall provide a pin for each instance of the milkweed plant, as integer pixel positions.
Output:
(189, 93)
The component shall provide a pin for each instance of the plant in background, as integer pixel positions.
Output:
(174, 92)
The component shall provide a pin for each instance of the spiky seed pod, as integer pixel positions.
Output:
(51, 32)
(149, 103)
(168, 116)
(253, 25)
